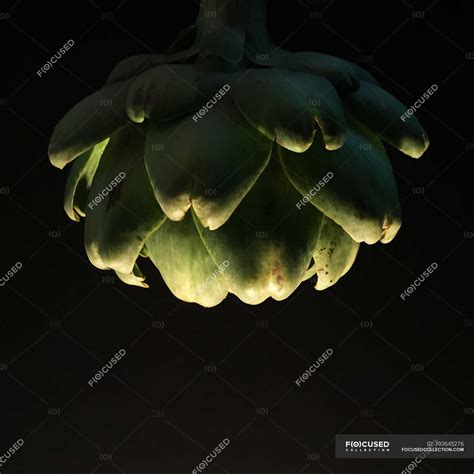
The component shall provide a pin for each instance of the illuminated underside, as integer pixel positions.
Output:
(214, 161)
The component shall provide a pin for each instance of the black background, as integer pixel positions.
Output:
(191, 376)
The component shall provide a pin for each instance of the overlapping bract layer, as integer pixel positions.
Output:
(242, 183)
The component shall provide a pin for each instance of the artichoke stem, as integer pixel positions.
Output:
(258, 40)
(226, 27)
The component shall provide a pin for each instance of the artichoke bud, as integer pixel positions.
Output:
(234, 166)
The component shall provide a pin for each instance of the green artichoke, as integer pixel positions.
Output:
(235, 166)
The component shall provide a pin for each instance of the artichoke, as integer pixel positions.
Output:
(234, 165)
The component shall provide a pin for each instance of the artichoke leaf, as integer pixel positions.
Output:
(79, 181)
(209, 162)
(287, 106)
(88, 123)
(170, 91)
(135, 65)
(383, 115)
(354, 186)
(334, 254)
(267, 241)
(134, 278)
(188, 270)
(122, 212)
(344, 75)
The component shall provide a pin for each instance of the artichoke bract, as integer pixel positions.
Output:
(234, 166)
